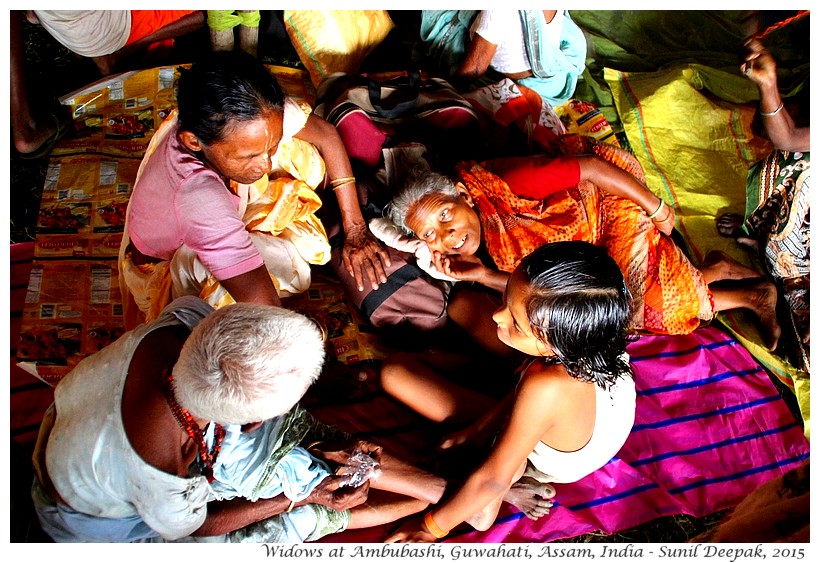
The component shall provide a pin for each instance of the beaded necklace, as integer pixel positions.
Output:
(187, 423)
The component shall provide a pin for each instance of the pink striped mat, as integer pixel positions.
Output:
(710, 427)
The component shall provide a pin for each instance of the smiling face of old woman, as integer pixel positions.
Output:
(449, 225)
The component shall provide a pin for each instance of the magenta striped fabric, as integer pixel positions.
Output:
(710, 427)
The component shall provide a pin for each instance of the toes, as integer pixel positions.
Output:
(546, 491)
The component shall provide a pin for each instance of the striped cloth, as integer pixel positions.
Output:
(710, 427)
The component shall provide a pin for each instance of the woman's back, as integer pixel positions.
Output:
(588, 423)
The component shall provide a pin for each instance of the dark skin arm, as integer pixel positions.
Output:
(761, 68)
(479, 54)
(227, 516)
(621, 183)
(253, 287)
(362, 254)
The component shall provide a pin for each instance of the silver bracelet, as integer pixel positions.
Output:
(771, 113)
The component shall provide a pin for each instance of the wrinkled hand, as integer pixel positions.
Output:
(666, 222)
(363, 255)
(332, 493)
(339, 454)
(464, 268)
(760, 66)
(412, 531)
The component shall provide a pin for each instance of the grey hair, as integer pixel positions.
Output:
(247, 363)
(420, 183)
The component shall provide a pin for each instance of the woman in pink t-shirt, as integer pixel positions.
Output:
(192, 191)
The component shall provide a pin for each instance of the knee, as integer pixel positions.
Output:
(396, 373)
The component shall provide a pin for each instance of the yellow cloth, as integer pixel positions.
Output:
(696, 150)
(329, 41)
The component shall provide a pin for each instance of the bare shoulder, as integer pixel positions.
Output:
(545, 379)
(551, 382)
(146, 416)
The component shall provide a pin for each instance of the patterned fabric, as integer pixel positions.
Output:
(777, 214)
(668, 292)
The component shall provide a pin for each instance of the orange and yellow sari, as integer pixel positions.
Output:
(669, 293)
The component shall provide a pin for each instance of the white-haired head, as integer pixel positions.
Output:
(247, 363)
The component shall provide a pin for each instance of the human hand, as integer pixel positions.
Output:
(363, 255)
(334, 494)
(412, 530)
(760, 66)
(464, 268)
(665, 223)
(340, 453)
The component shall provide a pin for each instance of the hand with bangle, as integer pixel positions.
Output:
(663, 217)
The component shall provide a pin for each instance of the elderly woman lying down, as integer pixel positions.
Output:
(188, 429)
(491, 215)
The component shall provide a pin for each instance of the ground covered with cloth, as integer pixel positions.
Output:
(710, 428)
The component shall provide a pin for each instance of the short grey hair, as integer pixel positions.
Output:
(247, 363)
(420, 183)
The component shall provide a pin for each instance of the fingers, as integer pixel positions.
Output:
(355, 273)
(368, 260)
(347, 497)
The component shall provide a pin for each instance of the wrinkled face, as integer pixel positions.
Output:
(447, 225)
(246, 151)
(514, 324)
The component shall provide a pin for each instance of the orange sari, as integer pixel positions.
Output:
(668, 292)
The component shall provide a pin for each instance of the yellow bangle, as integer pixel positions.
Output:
(433, 527)
(313, 444)
(290, 507)
(342, 181)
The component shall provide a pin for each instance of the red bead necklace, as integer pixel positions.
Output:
(186, 421)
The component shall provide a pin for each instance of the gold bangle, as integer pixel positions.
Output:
(772, 113)
(293, 502)
(343, 185)
(313, 444)
(342, 181)
(433, 527)
(658, 210)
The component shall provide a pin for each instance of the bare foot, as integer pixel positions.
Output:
(764, 303)
(720, 266)
(531, 497)
(485, 518)
(29, 139)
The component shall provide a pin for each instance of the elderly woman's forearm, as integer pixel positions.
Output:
(230, 515)
(611, 179)
(780, 127)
